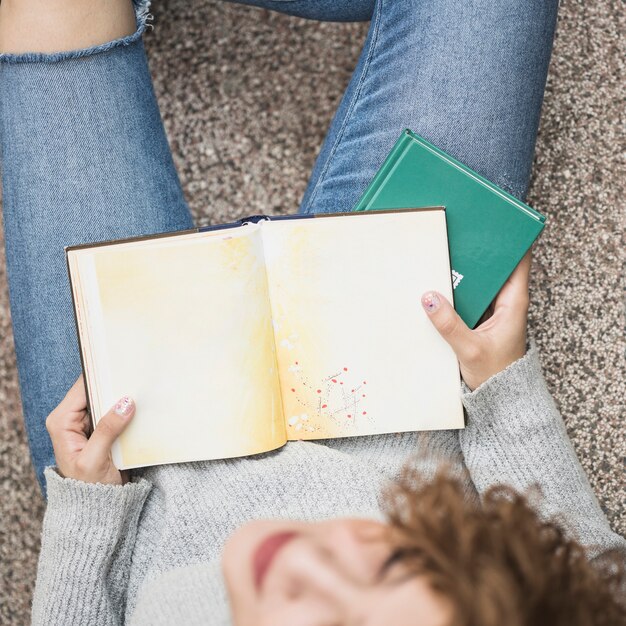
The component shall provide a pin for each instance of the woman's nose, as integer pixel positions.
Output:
(317, 571)
(338, 562)
(358, 547)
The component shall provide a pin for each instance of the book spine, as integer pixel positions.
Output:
(297, 216)
(255, 219)
(204, 229)
(398, 150)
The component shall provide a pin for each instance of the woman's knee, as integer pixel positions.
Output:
(49, 26)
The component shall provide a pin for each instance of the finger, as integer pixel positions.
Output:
(514, 293)
(73, 421)
(68, 436)
(75, 399)
(69, 412)
(86, 423)
(450, 326)
(107, 430)
(521, 274)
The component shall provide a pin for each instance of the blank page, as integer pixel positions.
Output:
(182, 325)
(357, 354)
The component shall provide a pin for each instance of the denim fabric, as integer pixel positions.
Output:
(85, 158)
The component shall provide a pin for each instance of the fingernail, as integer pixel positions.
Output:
(124, 406)
(431, 302)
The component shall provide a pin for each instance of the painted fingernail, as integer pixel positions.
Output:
(124, 406)
(431, 302)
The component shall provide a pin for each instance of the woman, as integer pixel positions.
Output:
(85, 158)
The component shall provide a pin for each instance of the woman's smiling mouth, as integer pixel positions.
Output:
(266, 552)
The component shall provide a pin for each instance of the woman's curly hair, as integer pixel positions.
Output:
(496, 562)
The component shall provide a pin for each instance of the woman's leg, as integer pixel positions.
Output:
(84, 158)
(468, 75)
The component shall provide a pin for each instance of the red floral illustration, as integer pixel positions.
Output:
(331, 401)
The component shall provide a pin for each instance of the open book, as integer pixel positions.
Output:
(234, 340)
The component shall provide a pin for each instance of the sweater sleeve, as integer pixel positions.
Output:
(515, 436)
(86, 547)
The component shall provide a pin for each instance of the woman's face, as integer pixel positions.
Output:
(335, 573)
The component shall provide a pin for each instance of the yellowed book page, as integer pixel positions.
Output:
(184, 327)
(356, 352)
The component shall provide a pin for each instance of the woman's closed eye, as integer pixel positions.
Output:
(391, 571)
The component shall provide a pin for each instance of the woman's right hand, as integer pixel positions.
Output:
(498, 341)
(80, 457)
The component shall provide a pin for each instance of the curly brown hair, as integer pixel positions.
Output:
(496, 562)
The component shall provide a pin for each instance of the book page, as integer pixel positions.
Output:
(183, 326)
(356, 352)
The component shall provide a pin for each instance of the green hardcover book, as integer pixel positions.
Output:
(489, 230)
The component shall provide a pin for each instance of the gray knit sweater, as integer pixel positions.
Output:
(147, 553)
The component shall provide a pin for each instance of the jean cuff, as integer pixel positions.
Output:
(142, 17)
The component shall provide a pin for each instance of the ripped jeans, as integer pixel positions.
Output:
(84, 155)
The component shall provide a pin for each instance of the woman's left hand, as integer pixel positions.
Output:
(80, 457)
(498, 341)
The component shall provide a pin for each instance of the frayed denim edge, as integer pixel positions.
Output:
(142, 16)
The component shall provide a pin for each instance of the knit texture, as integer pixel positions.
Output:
(148, 552)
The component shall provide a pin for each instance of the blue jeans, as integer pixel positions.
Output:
(85, 158)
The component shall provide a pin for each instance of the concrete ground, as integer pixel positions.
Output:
(219, 68)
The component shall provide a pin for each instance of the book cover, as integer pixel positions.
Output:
(234, 340)
(489, 230)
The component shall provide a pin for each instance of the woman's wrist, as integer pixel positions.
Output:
(504, 373)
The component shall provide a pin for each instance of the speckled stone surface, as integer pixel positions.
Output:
(219, 68)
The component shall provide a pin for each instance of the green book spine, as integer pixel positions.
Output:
(489, 230)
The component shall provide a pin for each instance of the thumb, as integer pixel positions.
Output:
(107, 430)
(449, 325)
